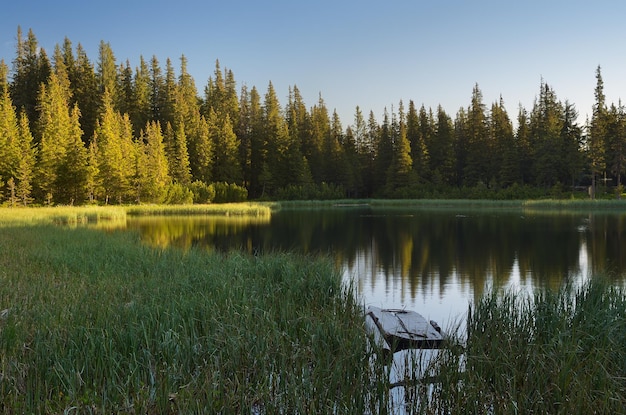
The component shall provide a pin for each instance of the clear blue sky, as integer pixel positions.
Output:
(367, 53)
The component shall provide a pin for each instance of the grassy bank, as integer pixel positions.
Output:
(98, 323)
(559, 352)
(558, 205)
(65, 215)
(224, 209)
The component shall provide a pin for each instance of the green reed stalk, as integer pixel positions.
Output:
(559, 352)
(98, 323)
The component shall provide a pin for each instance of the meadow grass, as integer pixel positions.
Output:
(561, 352)
(65, 215)
(94, 322)
(227, 209)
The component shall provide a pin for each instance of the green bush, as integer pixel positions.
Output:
(177, 194)
(229, 193)
(202, 192)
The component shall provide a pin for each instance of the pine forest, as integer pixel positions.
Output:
(73, 131)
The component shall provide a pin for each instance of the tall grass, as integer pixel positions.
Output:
(66, 215)
(234, 209)
(559, 352)
(98, 323)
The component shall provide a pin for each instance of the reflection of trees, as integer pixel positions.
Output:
(187, 231)
(419, 250)
(606, 243)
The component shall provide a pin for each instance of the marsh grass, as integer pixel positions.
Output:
(228, 209)
(575, 205)
(99, 323)
(552, 352)
(527, 206)
(64, 215)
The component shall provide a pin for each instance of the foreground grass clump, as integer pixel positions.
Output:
(559, 352)
(98, 323)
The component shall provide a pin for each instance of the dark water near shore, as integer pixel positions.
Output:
(434, 262)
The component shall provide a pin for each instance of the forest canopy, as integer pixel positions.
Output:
(73, 131)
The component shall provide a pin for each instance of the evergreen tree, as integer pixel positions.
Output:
(85, 94)
(420, 132)
(477, 159)
(441, 152)
(31, 68)
(26, 162)
(169, 95)
(141, 110)
(4, 77)
(546, 123)
(177, 154)
(571, 138)
(523, 140)
(226, 166)
(461, 144)
(201, 152)
(186, 106)
(231, 100)
(399, 173)
(113, 136)
(313, 146)
(221, 95)
(187, 122)
(9, 133)
(335, 167)
(60, 165)
(616, 137)
(157, 91)
(126, 87)
(276, 140)
(153, 175)
(354, 183)
(298, 120)
(384, 154)
(214, 92)
(258, 150)
(359, 131)
(501, 144)
(93, 185)
(107, 76)
(61, 70)
(597, 133)
(71, 179)
(368, 171)
(244, 133)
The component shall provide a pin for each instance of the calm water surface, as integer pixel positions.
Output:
(434, 262)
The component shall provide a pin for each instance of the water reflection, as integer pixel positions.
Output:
(432, 261)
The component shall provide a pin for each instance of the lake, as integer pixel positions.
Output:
(433, 262)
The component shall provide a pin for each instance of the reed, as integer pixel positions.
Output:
(66, 215)
(98, 323)
(561, 352)
(224, 209)
(576, 204)
(94, 322)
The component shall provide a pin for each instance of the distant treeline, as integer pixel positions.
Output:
(72, 131)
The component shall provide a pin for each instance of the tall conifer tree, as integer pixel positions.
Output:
(31, 68)
(597, 134)
(154, 173)
(26, 163)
